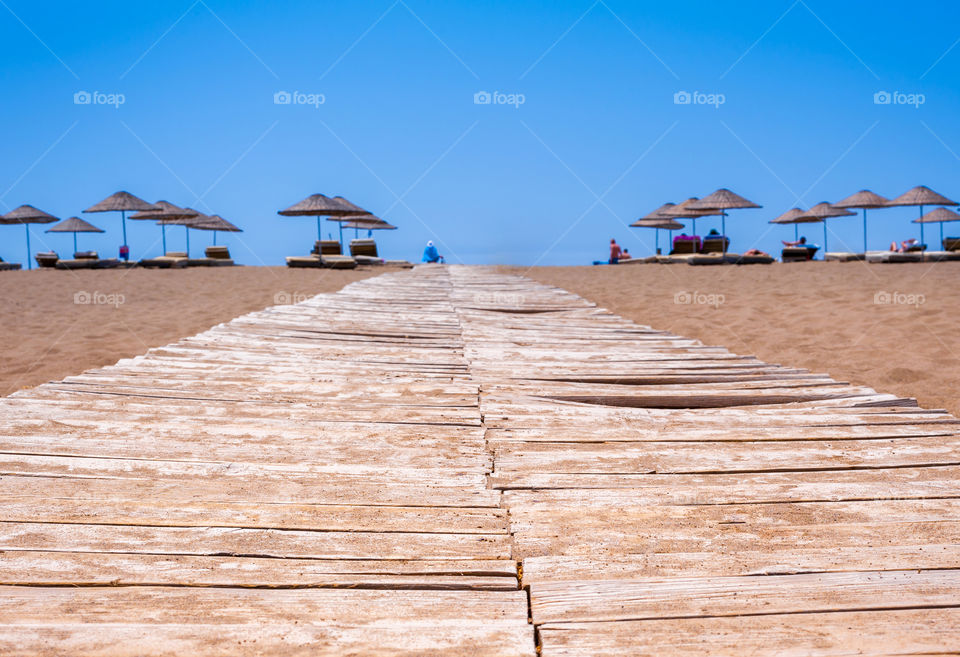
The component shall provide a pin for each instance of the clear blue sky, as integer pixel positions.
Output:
(597, 142)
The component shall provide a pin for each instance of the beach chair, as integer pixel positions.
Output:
(951, 243)
(170, 260)
(326, 247)
(715, 244)
(8, 266)
(842, 256)
(798, 253)
(46, 259)
(322, 261)
(685, 245)
(754, 260)
(217, 252)
(364, 247)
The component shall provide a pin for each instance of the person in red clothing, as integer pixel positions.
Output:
(615, 252)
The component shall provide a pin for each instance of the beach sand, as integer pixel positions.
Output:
(46, 336)
(821, 316)
(825, 316)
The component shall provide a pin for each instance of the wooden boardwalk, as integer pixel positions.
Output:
(453, 461)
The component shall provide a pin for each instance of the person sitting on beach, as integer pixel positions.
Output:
(800, 242)
(625, 255)
(904, 245)
(757, 252)
(430, 253)
(615, 252)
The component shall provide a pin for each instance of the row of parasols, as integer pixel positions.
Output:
(666, 216)
(163, 212)
(166, 214)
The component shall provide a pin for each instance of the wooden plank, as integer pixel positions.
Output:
(871, 633)
(693, 597)
(39, 568)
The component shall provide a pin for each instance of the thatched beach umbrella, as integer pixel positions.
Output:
(723, 200)
(216, 223)
(74, 225)
(27, 214)
(863, 200)
(684, 210)
(318, 205)
(658, 224)
(795, 216)
(937, 216)
(921, 196)
(824, 211)
(191, 219)
(122, 202)
(364, 222)
(165, 210)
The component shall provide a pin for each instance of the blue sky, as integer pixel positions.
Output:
(596, 142)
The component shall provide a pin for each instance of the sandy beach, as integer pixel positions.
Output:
(890, 327)
(117, 314)
(828, 317)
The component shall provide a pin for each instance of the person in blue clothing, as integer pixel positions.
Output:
(430, 253)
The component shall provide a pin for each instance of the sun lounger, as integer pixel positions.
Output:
(715, 244)
(326, 247)
(368, 260)
(218, 252)
(399, 263)
(8, 266)
(842, 256)
(798, 253)
(364, 247)
(47, 259)
(76, 263)
(317, 261)
(755, 260)
(714, 259)
(685, 245)
(940, 256)
(209, 262)
(86, 255)
(169, 261)
(951, 243)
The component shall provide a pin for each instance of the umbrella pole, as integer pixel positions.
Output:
(723, 230)
(864, 231)
(658, 241)
(214, 238)
(796, 233)
(163, 231)
(123, 222)
(29, 262)
(941, 236)
(340, 223)
(922, 250)
(824, 238)
(187, 228)
(319, 235)
(74, 241)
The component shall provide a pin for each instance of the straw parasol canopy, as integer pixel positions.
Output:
(164, 210)
(937, 216)
(824, 211)
(189, 219)
(922, 196)
(684, 210)
(121, 202)
(652, 220)
(723, 199)
(27, 214)
(795, 216)
(318, 205)
(863, 200)
(215, 223)
(366, 222)
(74, 225)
